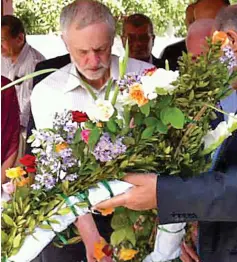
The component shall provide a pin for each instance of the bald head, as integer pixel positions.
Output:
(204, 9)
(197, 33)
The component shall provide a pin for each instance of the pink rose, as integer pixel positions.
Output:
(85, 135)
(8, 188)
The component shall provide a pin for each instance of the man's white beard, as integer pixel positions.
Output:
(90, 75)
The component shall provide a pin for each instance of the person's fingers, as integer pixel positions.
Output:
(116, 201)
(184, 255)
(138, 179)
(190, 251)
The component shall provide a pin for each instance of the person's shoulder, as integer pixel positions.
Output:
(55, 82)
(56, 62)
(177, 45)
(137, 66)
(36, 56)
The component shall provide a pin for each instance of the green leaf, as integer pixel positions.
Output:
(177, 118)
(111, 126)
(65, 186)
(119, 220)
(161, 128)
(29, 76)
(148, 132)
(161, 91)
(138, 119)
(128, 141)
(145, 109)
(17, 241)
(164, 101)
(77, 137)
(64, 211)
(94, 137)
(118, 236)
(4, 237)
(8, 220)
(174, 116)
(44, 226)
(151, 121)
(130, 235)
(108, 88)
(53, 221)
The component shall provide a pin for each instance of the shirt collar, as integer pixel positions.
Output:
(22, 56)
(74, 81)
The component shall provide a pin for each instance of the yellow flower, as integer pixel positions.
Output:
(98, 249)
(219, 36)
(15, 172)
(136, 93)
(127, 254)
(99, 124)
(23, 182)
(60, 147)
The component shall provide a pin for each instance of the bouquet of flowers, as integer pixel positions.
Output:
(155, 122)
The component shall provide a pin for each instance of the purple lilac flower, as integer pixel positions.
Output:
(71, 177)
(129, 80)
(105, 150)
(229, 58)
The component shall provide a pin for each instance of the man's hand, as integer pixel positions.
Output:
(141, 197)
(188, 254)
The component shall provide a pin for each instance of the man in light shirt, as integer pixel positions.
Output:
(18, 59)
(88, 30)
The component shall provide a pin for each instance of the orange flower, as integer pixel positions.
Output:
(60, 147)
(15, 172)
(219, 36)
(23, 182)
(127, 254)
(107, 211)
(98, 249)
(136, 93)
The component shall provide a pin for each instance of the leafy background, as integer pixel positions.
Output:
(42, 16)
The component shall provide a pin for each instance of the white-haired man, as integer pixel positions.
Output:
(88, 30)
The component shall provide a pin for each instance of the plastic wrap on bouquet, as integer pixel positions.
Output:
(35, 243)
(167, 244)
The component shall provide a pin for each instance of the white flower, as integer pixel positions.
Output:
(232, 122)
(101, 110)
(62, 174)
(160, 79)
(215, 137)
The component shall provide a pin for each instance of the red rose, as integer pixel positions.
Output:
(107, 250)
(29, 162)
(79, 117)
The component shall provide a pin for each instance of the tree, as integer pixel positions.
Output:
(42, 16)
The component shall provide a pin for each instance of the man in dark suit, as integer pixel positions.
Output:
(138, 30)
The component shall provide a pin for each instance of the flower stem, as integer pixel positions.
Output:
(116, 91)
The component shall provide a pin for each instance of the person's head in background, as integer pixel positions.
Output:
(203, 9)
(88, 30)
(198, 31)
(226, 21)
(13, 36)
(138, 30)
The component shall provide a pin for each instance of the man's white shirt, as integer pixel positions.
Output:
(63, 90)
(24, 65)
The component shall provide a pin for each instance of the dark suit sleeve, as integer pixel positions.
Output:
(209, 197)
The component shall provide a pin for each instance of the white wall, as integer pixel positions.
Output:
(51, 46)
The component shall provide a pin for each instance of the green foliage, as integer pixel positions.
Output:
(42, 16)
